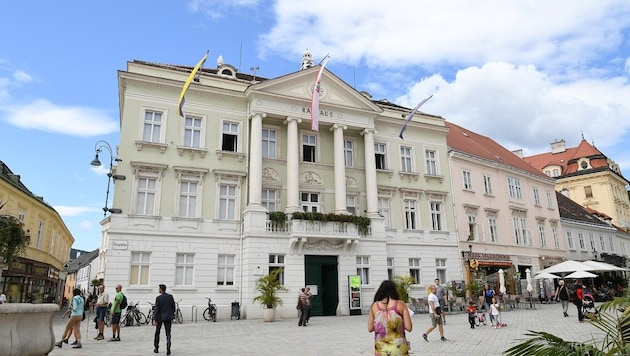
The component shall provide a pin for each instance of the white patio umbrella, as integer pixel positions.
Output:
(602, 266)
(502, 281)
(568, 266)
(528, 275)
(546, 275)
(581, 274)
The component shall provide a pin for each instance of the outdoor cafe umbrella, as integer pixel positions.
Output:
(528, 275)
(581, 274)
(568, 266)
(502, 281)
(546, 275)
(602, 266)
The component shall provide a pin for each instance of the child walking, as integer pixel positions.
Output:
(472, 312)
(494, 314)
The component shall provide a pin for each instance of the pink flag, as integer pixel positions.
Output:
(410, 116)
(315, 98)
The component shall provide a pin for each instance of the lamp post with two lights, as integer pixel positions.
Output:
(98, 147)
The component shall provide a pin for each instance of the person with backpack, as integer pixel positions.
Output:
(120, 303)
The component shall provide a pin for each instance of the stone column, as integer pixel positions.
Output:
(340, 169)
(255, 160)
(370, 173)
(293, 174)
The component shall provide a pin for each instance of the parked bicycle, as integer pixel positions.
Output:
(178, 313)
(133, 317)
(150, 314)
(211, 311)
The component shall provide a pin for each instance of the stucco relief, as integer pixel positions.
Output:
(270, 174)
(351, 182)
(323, 245)
(311, 177)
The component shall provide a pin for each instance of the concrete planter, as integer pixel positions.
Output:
(20, 323)
(269, 314)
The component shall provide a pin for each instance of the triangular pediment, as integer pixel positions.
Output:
(335, 93)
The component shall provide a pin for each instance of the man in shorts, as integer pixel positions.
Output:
(442, 297)
(116, 314)
(101, 310)
(434, 314)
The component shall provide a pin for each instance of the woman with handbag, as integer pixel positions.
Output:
(302, 306)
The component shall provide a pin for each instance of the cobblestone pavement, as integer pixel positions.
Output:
(333, 335)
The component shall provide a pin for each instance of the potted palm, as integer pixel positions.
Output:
(267, 288)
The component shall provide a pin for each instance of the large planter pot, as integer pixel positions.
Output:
(269, 314)
(27, 329)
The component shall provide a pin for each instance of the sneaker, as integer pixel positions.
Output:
(74, 343)
(112, 339)
(77, 346)
(59, 344)
(65, 341)
(100, 337)
(117, 338)
(424, 336)
(443, 338)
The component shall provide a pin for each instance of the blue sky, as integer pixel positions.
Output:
(522, 72)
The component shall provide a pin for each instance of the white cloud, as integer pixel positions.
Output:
(46, 116)
(68, 211)
(21, 76)
(86, 225)
(627, 66)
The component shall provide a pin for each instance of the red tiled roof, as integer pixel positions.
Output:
(463, 140)
(568, 159)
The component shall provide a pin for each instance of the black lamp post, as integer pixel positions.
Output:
(98, 147)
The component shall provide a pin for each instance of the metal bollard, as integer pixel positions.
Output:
(193, 312)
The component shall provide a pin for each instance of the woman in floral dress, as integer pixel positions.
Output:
(389, 318)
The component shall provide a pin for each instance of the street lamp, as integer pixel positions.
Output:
(98, 147)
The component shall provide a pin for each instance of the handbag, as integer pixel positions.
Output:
(438, 310)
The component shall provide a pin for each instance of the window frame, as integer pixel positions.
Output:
(415, 269)
(487, 184)
(410, 207)
(143, 267)
(270, 141)
(380, 155)
(277, 261)
(431, 162)
(234, 136)
(514, 188)
(363, 269)
(313, 146)
(152, 123)
(223, 264)
(348, 152)
(193, 129)
(184, 266)
(309, 203)
(406, 159)
(467, 183)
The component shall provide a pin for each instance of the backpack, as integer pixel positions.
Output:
(123, 303)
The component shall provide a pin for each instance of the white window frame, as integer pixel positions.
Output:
(487, 184)
(380, 155)
(270, 142)
(140, 268)
(554, 235)
(570, 241)
(230, 130)
(384, 208)
(411, 213)
(431, 162)
(228, 201)
(269, 199)
(611, 243)
(348, 152)
(467, 183)
(309, 141)
(390, 268)
(602, 243)
(310, 205)
(440, 269)
(406, 159)
(149, 126)
(494, 229)
(591, 240)
(437, 215)
(197, 133)
(536, 196)
(473, 227)
(541, 234)
(277, 261)
(189, 200)
(415, 269)
(40, 233)
(514, 188)
(352, 204)
(581, 242)
(225, 270)
(520, 231)
(549, 200)
(363, 269)
(184, 269)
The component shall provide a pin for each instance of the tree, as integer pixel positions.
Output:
(13, 240)
(268, 287)
(403, 283)
(613, 318)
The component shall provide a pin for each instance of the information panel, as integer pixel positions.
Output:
(354, 286)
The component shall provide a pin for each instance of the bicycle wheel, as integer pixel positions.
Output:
(179, 317)
(125, 320)
(206, 314)
(141, 318)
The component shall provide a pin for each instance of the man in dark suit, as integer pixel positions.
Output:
(164, 313)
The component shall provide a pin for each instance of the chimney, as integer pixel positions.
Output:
(518, 152)
(558, 146)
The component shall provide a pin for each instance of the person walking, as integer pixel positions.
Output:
(494, 314)
(116, 311)
(76, 309)
(388, 319)
(3, 297)
(442, 295)
(562, 294)
(302, 306)
(579, 295)
(102, 301)
(434, 314)
(309, 296)
(164, 313)
(471, 309)
(488, 294)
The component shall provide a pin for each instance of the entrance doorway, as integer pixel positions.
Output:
(321, 271)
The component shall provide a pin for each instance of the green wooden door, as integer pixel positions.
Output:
(322, 272)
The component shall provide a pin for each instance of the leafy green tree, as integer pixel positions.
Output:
(268, 287)
(403, 283)
(13, 240)
(613, 318)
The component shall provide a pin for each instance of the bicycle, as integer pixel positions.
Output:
(150, 314)
(211, 311)
(133, 317)
(178, 313)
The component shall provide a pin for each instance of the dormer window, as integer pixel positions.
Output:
(227, 72)
(584, 164)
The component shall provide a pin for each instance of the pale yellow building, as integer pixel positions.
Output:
(37, 276)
